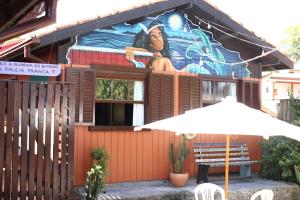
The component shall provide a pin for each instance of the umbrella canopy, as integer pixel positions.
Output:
(226, 117)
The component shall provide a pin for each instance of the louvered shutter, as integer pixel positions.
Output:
(161, 97)
(84, 78)
(249, 93)
(189, 93)
(256, 95)
(184, 94)
(196, 92)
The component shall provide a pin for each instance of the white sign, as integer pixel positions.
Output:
(32, 69)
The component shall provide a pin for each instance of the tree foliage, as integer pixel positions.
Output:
(280, 155)
(293, 42)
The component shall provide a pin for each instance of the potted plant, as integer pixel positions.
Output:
(178, 177)
(95, 181)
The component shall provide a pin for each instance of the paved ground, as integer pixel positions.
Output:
(238, 190)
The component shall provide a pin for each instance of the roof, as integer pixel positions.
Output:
(284, 76)
(70, 24)
(21, 17)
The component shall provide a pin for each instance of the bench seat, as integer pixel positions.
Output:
(213, 155)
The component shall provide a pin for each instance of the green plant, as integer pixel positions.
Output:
(297, 173)
(177, 161)
(94, 182)
(101, 157)
(280, 154)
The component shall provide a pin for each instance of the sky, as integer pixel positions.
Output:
(269, 19)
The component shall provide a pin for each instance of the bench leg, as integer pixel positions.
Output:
(202, 173)
(245, 170)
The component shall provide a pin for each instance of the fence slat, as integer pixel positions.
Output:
(63, 175)
(48, 163)
(71, 138)
(24, 168)
(32, 140)
(8, 142)
(56, 181)
(2, 134)
(15, 150)
(40, 145)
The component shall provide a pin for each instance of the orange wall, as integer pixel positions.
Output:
(140, 156)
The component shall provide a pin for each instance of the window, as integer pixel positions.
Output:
(215, 90)
(119, 102)
(114, 96)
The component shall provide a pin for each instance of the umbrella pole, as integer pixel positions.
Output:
(227, 165)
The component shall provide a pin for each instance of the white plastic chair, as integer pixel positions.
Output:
(207, 191)
(263, 194)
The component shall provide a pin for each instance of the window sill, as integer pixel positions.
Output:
(111, 128)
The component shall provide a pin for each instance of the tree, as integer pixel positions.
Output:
(293, 42)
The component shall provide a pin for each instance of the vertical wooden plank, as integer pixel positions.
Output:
(108, 146)
(121, 155)
(2, 134)
(48, 162)
(139, 155)
(87, 150)
(127, 157)
(40, 144)
(168, 138)
(75, 179)
(63, 175)
(160, 147)
(144, 156)
(32, 140)
(80, 160)
(133, 156)
(8, 142)
(15, 134)
(24, 159)
(155, 153)
(71, 120)
(114, 157)
(149, 152)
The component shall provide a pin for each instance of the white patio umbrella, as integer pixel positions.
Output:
(227, 117)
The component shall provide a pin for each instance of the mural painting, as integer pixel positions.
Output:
(169, 42)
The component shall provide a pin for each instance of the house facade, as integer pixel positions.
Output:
(149, 63)
(279, 85)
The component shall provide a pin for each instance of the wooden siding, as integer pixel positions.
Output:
(140, 156)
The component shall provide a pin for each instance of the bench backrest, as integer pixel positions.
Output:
(216, 152)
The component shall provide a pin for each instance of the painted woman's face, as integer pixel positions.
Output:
(156, 39)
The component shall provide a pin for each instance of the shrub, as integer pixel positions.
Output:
(95, 181)
(280, 154)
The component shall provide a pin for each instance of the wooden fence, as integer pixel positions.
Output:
(284, 111)
(36, 140)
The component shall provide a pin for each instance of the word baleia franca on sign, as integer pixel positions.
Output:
(33, 69)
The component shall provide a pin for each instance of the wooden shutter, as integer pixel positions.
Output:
(84, 78)
(256, 95)
(249, 93)
(189, 93)
(161, 97)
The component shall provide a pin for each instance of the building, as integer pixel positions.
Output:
(145, 62)
(278, 85)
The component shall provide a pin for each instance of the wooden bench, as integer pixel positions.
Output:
(213, 155)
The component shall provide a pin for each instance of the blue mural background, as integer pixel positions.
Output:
(191, 48)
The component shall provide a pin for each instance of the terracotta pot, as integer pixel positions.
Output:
(179, 180)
